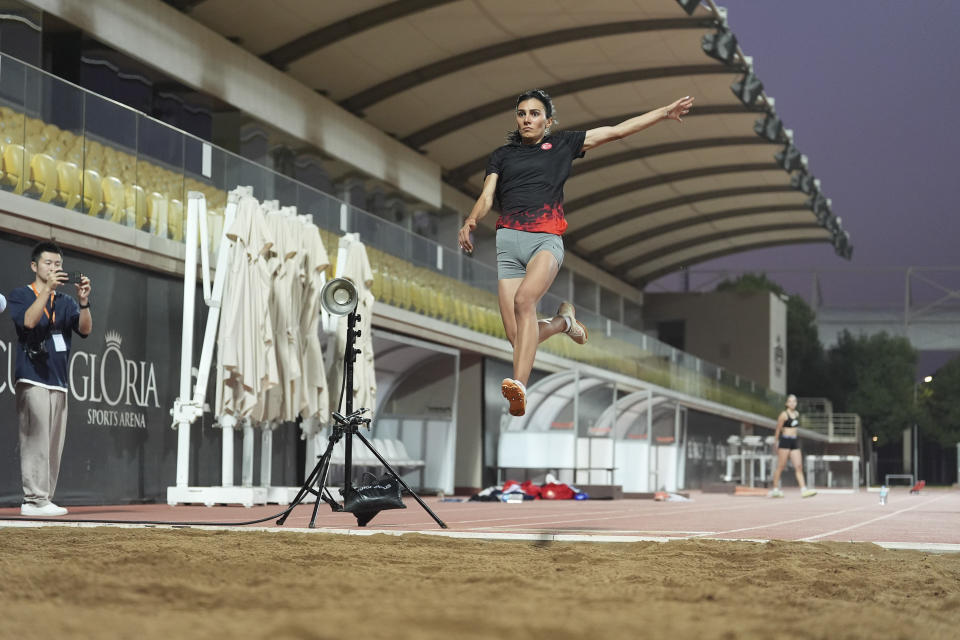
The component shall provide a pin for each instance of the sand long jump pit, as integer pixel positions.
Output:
(144, 582)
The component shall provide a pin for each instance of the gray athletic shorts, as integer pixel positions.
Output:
(515, 249)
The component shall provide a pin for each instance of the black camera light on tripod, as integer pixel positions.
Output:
(340, 297)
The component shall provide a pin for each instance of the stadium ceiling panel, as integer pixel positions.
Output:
(442, 75)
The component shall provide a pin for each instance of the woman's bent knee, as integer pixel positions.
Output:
(524, 304)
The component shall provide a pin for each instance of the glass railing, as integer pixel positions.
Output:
(67, 146)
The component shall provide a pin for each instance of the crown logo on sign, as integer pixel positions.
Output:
(114, 338)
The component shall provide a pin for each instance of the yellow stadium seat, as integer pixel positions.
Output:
(113, 200)
(35, 143)
(55, 149)
(15, 159)
(43, 177)
(175, 219)
(13, 128)
(94, 148)
(157, 214)
(68, 184)
(135, 204)
(92, 192)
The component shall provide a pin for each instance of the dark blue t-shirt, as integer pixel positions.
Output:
(50, 370)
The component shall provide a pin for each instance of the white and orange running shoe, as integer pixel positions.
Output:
(516, 393)
(576, 330)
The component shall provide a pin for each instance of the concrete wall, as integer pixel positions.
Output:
(739, 332)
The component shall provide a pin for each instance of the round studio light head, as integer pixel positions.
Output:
(339, 297)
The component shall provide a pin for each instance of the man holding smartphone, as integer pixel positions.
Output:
(45, 320)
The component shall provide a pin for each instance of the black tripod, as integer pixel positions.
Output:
(348, 426)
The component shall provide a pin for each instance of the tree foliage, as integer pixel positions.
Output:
(874, 377)
(940, 407)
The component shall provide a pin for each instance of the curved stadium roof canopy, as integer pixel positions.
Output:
(442, 75)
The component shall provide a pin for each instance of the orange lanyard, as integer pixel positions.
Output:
(53, 318)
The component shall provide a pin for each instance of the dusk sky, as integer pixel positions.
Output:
(871, 90)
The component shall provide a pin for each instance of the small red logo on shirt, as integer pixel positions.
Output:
(546, 146)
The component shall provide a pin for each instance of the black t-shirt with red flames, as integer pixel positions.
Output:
(530, 181)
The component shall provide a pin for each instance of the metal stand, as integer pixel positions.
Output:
(349, 426)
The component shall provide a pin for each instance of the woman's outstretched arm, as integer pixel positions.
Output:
(481, 208)
(603, 135)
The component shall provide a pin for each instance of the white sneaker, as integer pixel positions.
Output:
(775, 493)
(577, 332)
(48, 510)
(808, 493)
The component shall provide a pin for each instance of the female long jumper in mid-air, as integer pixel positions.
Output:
(526, 177)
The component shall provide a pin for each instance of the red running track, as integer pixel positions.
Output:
(925, 520)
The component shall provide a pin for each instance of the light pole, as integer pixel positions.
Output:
(916, 430)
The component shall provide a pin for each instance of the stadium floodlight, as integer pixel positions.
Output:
(790, 159)
(689, 5)
(770, 128)
(841, 244)
(748, 88)
(820, 207)
(834, 223)
(805, 183)
(721, 45)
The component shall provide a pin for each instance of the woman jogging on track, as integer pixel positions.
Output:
(787, 441)
(526, 177)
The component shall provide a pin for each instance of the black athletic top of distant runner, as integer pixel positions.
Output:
(530, 181)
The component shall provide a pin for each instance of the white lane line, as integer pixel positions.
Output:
(618, 532)
(933, 547)
(528, 516)
(776, 524)
(547, 523)
(620, 516)
(871, 520)
(648, 511)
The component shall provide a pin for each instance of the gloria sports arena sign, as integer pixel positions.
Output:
(124, 377)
